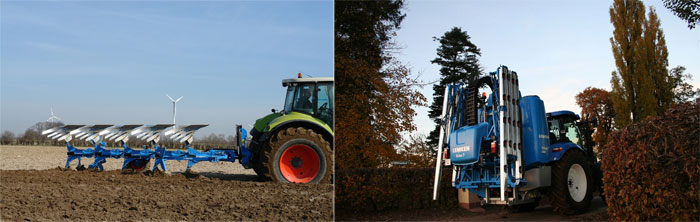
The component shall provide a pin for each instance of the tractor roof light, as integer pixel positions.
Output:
(299, 75)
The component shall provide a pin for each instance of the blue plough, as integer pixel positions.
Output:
(137, 159)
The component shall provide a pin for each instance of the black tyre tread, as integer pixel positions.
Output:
(264, 166)
(561, 200)
(259, 162)
(259, 168)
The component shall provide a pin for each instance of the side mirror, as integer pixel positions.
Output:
(273, 110)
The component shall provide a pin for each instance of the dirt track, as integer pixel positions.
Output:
(217, 193)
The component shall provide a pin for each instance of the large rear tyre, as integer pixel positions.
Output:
(296, 155)
(572, 184)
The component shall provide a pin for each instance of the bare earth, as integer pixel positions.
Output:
(34, 187)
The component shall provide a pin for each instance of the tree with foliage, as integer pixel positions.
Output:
(688, 10)
(459, 61)
(375, 93)
(416, 151)
(641, 85)
(682, 91)
(597, 107)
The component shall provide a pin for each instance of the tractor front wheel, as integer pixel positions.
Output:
(572, 184)
(296, 155)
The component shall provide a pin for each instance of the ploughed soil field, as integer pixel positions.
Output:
(43, 191)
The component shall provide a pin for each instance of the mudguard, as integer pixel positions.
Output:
(563, 147)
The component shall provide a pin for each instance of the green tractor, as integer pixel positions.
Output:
(295, 145)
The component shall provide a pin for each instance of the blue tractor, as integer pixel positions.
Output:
(504, 148)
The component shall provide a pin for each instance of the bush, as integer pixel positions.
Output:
(651, 169)
(371, 189)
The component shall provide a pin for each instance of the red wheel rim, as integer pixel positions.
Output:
(300, 164)
(137, 165)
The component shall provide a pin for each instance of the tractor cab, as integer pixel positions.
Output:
(295, 143)
(563, 127)
(311, 96)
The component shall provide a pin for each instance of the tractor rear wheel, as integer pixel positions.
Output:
(572, 184)
(296, 155)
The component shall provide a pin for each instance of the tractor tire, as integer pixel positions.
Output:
(278, 162)
(472, 106)
(572, 184)
(259, 168)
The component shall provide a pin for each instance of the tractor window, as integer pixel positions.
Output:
(564, 130)
(324, 106)
(304, 99)
(289, 99)
(554, 131)
(572, 132)
(300, 98)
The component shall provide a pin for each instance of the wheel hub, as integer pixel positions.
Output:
(296, 162)
(299, 163)
(577, 182)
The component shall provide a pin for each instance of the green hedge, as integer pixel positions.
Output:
(651, 169)
(393, 188)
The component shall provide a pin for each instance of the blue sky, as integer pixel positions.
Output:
(558, 48)
(113, 62)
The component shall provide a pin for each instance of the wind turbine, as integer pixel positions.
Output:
(174, 105)
(53, 117)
